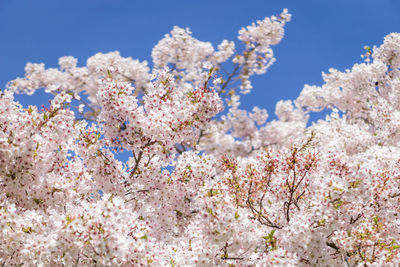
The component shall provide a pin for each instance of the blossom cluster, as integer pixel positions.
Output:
(204, 182)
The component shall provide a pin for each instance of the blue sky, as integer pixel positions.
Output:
(322, 34)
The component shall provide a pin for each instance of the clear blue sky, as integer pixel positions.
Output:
(322, 34)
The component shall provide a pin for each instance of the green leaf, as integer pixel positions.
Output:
(38, 201)
(27, 230)
(237, 215)
(337, 204)
(355, 184)
(271, 235)
(212, 192)
(210, 211)
(376, 220)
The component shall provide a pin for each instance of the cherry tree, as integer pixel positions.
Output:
(206, 183)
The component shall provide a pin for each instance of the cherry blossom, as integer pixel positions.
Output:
(204, 182)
